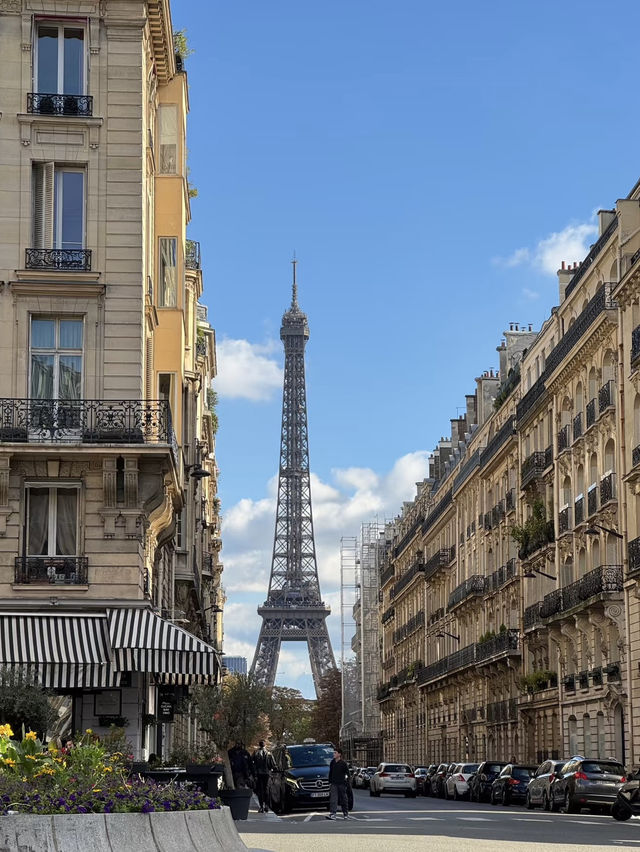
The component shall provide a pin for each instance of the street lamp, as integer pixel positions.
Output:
(592, 531)
(530, 573)
(443, 633)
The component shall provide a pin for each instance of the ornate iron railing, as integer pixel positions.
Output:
(436, 615)
(87, 421)
(500, 577)
(506, 431)
(410, 627)
(532, 615)
(635, 344)
(502, 711)
(388, 614)
(606, 395)
(501, 644)
(548, 457)
(635, 456)
(563, 439)
(633, 554)
(69, 260)
(551, 604)
(383, 692)
(531, 397)
(607, 488)
(467, 469)
(595, 251)
(577, 426)
(439, 560)
(201, 348)
(486, 521)
(510, 500)
(564, 520)
(406, 578)
(602, 580)
(592, 500)
(471, 586)
(50, 104)
(576, 331)
(408, 537)
(437, 511)
(56, 570)
(387, 574)
(497, 513)
(578, 510)
(532, 468)
(192, 254)
(591, 412)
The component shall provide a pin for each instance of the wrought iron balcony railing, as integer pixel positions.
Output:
(633, 553)
(500, 577)
(388, 614)
(577, 426)
(436, 615)
(602, 580)
(50, 104)
(460, 659)
(502, 711)
(409, 627)
(532, 468)
(592, 500)
(635, 344)
(440, 559)
(503, 643)
(192, 254)
(201, 348)
(56, 570)
(86, 421)
(406, 578)
(635, 456)
(606, 396)
(510, 500)
(387, 574)
(563, 439)
(548, 457)
(607, 488)
(532, 615)
(591, 412)
(564, 520)
(67, 260)
(471, 586)
(595, 251)
(578, 510)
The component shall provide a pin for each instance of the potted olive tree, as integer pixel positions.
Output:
(231, 712)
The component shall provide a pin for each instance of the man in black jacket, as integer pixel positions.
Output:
(338, 779)
(263, 763)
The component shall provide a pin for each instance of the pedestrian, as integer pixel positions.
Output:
(263, 764)
(338, 780)
(241, 766)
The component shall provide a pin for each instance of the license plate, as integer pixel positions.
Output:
(397, 777)
(319, 795)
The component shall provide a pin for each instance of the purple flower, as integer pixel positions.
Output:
(147, 808)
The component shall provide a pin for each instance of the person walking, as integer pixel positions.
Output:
(241, 766)
(338, 780)
(263, 764)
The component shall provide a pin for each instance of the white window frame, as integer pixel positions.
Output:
(161, 290)
(47, 204)
(53, 517)
(60, 25)
(56, 351)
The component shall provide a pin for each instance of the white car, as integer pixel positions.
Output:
(393, 778)
(457, 786)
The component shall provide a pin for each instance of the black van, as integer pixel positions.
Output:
(303, 777)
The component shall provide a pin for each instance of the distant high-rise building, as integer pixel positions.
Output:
(236, 665)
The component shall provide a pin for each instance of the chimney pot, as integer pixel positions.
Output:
(562, 267)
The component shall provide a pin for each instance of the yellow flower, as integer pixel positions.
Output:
(30, 757)
(97, 790)
(89, 731)
(5, 731)
(31, 736)
(9, 762)
(108, 769)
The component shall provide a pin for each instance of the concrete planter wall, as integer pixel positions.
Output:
(180, 831)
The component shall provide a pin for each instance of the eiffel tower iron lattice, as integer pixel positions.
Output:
(293, 610)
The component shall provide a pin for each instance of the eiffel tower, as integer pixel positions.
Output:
(293, 610)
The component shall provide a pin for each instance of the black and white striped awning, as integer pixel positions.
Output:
(66, 651)
(142, 641)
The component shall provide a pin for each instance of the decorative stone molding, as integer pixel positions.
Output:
(11, 6)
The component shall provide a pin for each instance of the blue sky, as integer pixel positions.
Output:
(431, 165)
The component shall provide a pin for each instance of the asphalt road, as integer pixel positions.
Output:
(396, 824)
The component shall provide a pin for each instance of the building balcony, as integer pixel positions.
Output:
(606, 579)
(532, 616)
(55, 570)
(504, 644)
(436, 615)
(564, 520)
(51, 104)
(578, 510)
(410, 627)
(607, 488)
(500, 577)
(606, 396)
(532, 468)
(591, 412)
(497, 513)
(383, 692)
(592, 501)
(635, 345)
(64, 260)
(563, 439)
(388, 574)
(407, 577)
(440, 559)
(633, 554)
(463, 658)
(192, 254)
(85, 421)
(471, 587)
(510, 500)
(502, 711)
(635, 456)
(577, 426)
(388, 614)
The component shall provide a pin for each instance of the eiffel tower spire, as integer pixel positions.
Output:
(293, 610)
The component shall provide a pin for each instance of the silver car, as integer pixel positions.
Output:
(393, 778)
(539, 789)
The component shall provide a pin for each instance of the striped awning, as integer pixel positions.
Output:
(142, 641)
(66, 651)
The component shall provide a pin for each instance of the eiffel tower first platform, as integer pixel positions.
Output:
(293, 611)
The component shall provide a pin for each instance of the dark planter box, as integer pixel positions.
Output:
(238, 801)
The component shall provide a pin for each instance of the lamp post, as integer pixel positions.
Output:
(442, 633)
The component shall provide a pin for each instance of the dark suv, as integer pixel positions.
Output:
(303, 781)
(480, 783)
(587, 783)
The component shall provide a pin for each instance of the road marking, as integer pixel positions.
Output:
(476, 819)
(581, 821)
(435, 819)
(533, 819)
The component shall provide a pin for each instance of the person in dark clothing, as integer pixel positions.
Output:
(338, 780)
(263, 765)
(241, 766)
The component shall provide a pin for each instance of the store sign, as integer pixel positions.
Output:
(166, 705)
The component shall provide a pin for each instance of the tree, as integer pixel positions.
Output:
(233, 711)
(290, 716)
(24, 702)
(327, 714)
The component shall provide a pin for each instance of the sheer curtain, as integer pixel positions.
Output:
(66, 521)
(38, 524)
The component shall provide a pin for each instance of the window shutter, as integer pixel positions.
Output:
(43, 181)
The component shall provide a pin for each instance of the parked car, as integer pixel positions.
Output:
(437, 780)
(480, 783)
(393, 778)
(511, 785)
(538, 791)
(587, 783)
(431, 770)
(627, 803)
(361, 778)
(420, 774)
(457, 784)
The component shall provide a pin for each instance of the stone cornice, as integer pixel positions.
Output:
(570, 367)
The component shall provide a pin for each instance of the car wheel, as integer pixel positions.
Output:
(505, 797)
(568, 807)
(546, 806)
(492, 798)
(620, 812)
(528, 803)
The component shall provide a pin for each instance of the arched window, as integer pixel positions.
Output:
(593, 383)
(608, 366)
(582, 562)
(609, 456)
(567, 572)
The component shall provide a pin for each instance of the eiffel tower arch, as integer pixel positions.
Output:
(293, 610)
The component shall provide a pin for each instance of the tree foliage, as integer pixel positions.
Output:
(24, 702)
(290, 715)
(327, 714)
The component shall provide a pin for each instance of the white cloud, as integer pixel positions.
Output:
(531, 295)
(248, 370)
(570, 244)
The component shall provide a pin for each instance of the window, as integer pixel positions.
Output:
(60, 59)
(52, 521)
(56, 358)
(168, 139)
(58, 206)
(168, 289)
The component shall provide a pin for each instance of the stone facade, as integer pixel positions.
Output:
(510, 598)
(108, 479)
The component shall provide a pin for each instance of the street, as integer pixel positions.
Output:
(408, 823)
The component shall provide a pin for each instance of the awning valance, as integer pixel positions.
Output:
(142, 641)
(66, 651)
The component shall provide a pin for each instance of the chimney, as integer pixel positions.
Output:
(605, 218)
(565, 274)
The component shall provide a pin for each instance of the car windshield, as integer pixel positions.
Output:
(310, 755)
(396, 767)
(494, 767)
(522, 772)
(600, 768)
(469, 767)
